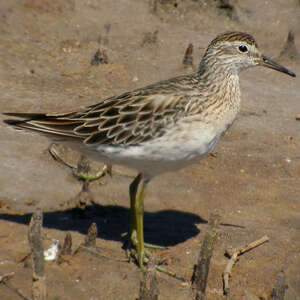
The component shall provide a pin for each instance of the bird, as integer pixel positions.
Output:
(159, 128)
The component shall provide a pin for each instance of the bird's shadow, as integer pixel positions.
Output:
(165, 228)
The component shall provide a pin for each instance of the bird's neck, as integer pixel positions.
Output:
(215, 71)
(220, 86)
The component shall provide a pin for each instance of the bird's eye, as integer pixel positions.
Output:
(243, 48)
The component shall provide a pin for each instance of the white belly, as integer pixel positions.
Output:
(181, 146)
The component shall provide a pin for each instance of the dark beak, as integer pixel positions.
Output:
(267, 62)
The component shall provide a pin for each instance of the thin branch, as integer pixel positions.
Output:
(148, 285)
(234, 257)
(4, 279)
(36, 243)
(90, 239)
(202, 268)
(67, 246)
(65, 250)
(188, 56)
(169, 273)
(289, 50)
(280, 287)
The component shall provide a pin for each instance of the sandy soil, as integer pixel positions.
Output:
(254, 179)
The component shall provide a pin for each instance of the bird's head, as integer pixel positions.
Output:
(236, 51)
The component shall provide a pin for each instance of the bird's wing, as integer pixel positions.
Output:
(131, 118)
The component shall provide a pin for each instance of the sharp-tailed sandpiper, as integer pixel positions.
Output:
(162, 127)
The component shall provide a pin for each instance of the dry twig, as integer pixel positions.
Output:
(90, 239)
(96, 252)
(99, 58)
(280, 287)
(36, 243)
(148, 285)
(66, 249)
(289, 50)
(202, 268)
(169, 273)
(5, 277)
(67, 246)
(89, 245)
(81, 171)
(4, 280)
(188, 56)
(150, 38)
(234, 257)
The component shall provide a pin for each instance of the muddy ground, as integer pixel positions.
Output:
(253, 179)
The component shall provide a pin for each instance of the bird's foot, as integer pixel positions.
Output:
(91, 177)
(142, 256)
(145, 258)
(81, 171)
(133, 251)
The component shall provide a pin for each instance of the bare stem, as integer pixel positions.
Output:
(148, 285)
(202, 268)
(4, 279)
(36, 243)
(234, 257)
(280, 287)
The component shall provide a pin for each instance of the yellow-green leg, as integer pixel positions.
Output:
(139, 219)
(133, 188)
(136, 230)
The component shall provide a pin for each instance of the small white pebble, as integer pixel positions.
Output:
(52, 251)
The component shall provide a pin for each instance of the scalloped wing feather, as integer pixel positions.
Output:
(128, 119)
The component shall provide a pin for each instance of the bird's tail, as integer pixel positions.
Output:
(50, 125)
